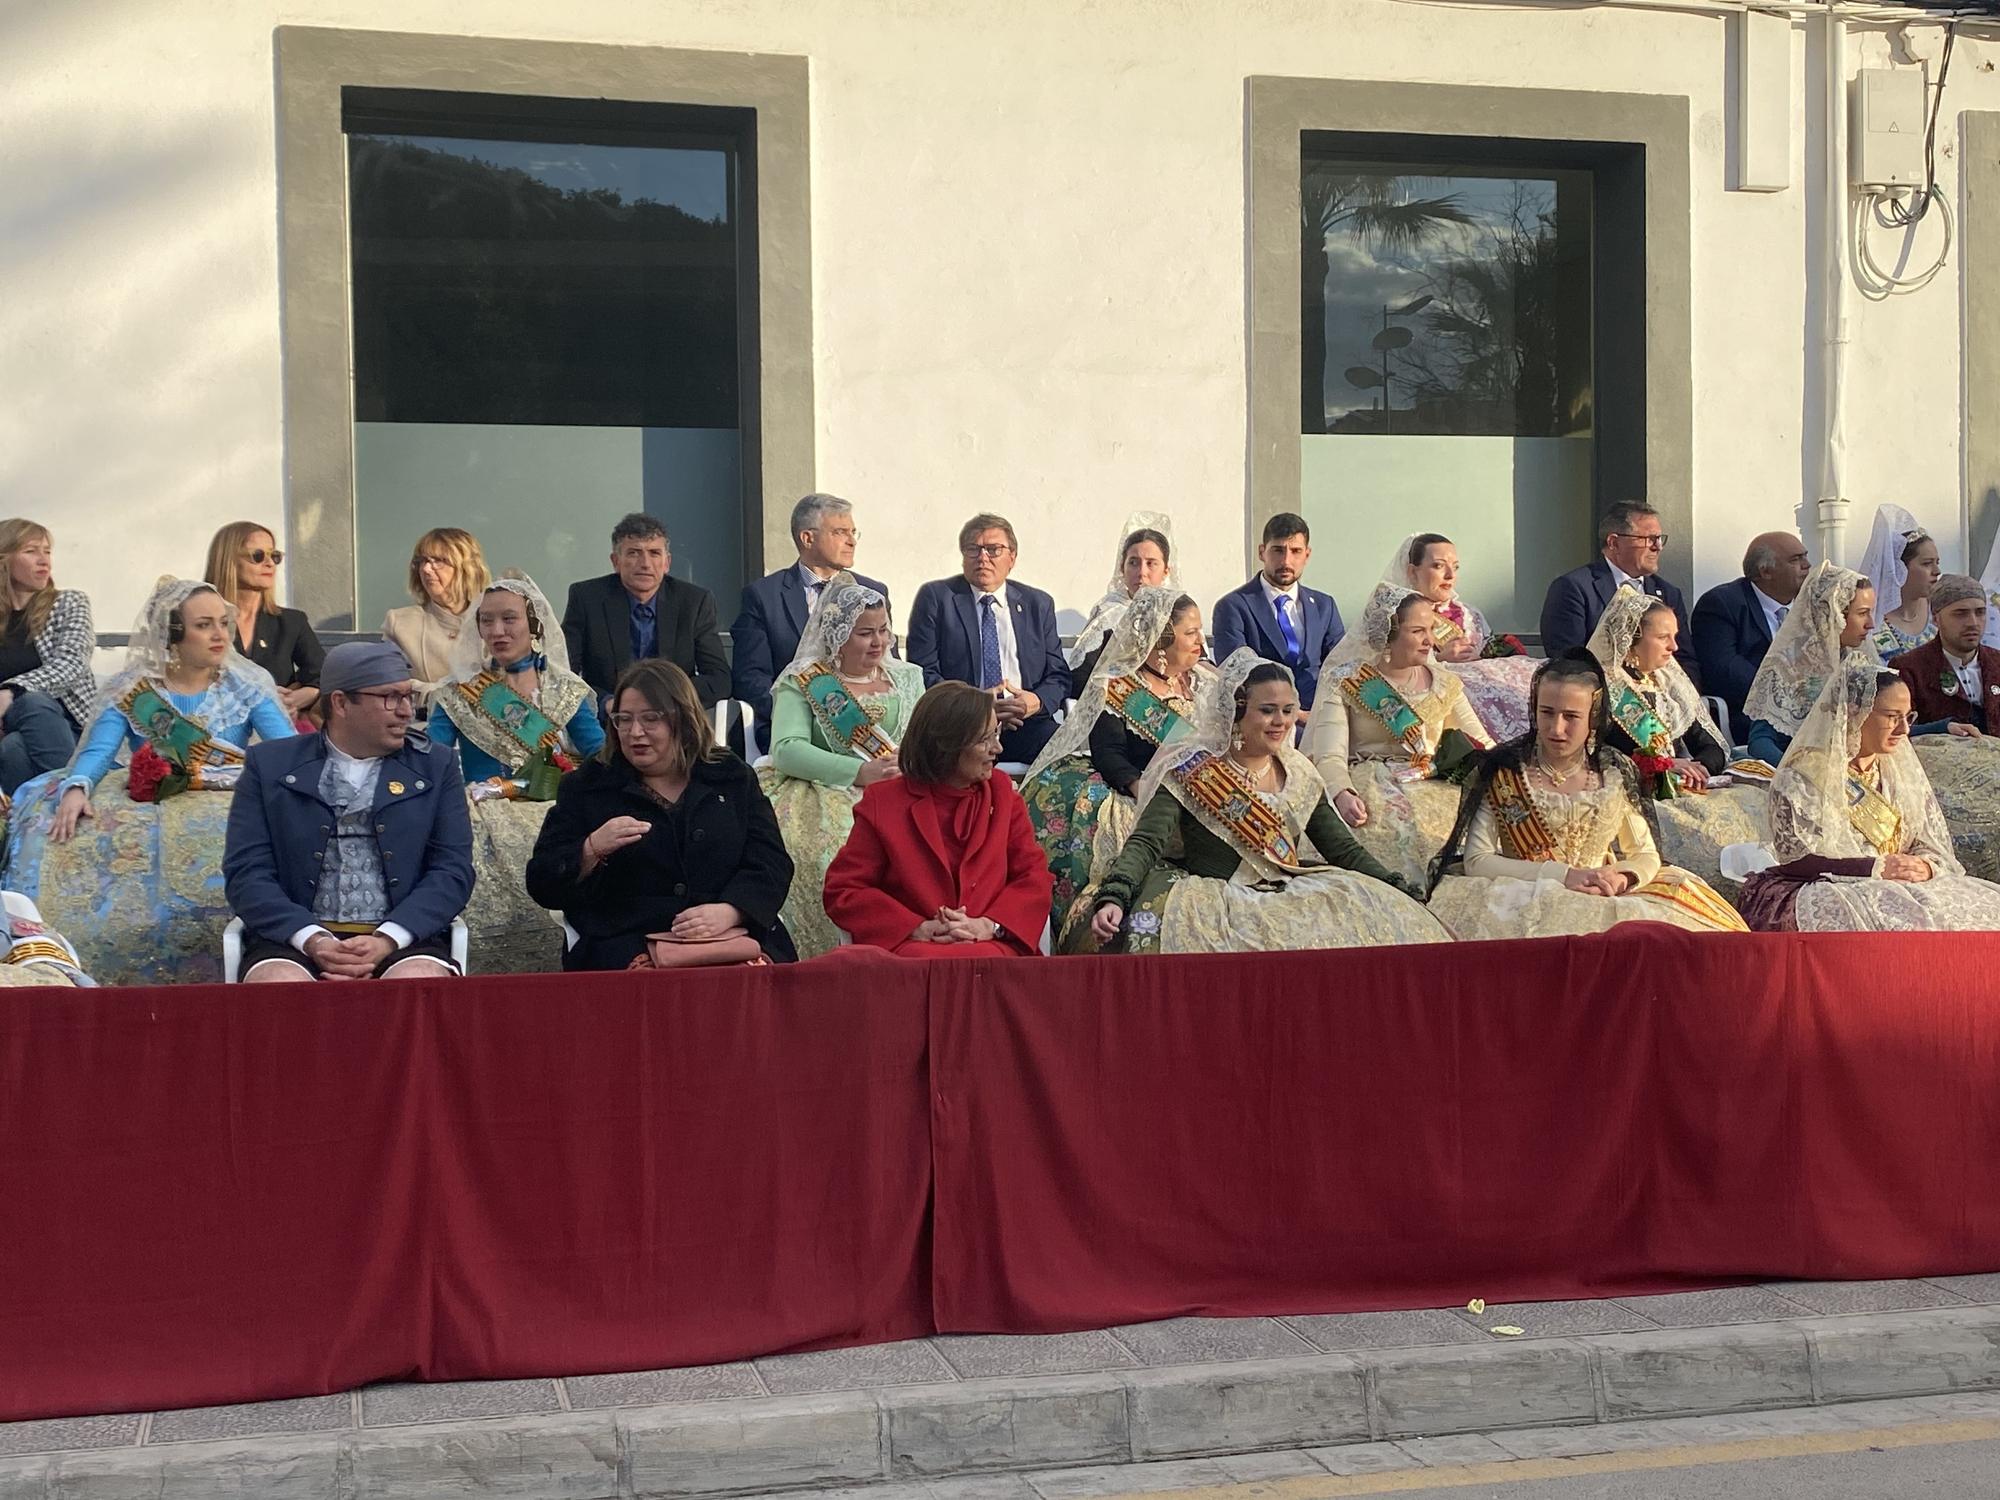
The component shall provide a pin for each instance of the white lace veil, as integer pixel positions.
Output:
(1809, 793)
(1140, 625)
(150, 651)
(1990, 581)
(468, 652)
(1882, 563)
(841, 603)
(1370, 638)
(1805, 649)
(1106, 613)
(1677, 702)
(1210, 727)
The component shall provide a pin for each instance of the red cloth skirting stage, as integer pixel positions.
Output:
(217, 1194)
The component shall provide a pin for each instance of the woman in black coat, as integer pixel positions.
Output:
(243, 561)
(661, 832)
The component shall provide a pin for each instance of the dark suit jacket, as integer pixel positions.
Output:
(1576, 602)
(719, 843)
(279, 829)
(944, 638)
(1731, 636)
(597, 623)
(1244, 617)
(766, 636)
(1925, 670)
(286, 646)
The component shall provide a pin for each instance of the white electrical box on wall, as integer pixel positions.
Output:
(1885, 128)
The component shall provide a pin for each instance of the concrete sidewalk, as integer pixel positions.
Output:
(946, 1408)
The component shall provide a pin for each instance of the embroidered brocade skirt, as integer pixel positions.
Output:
(1481, 908)
(1081, 825)
(1944, 903)
(506, 933)
(1965, 776)
(1176, 912)
(1694, 830)
(814, 819)
(1498, 690)
(1408, 821)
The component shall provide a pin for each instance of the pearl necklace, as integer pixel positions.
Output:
(1554, 777)
(876, 675)
(1257, 778)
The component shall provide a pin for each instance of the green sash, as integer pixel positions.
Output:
(840, 714)
(176, 737)
(1148, 713)
(500, 721)
(1369, 690)
(1639, 721)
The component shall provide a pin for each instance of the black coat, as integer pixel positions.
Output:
(1697, 744)
(720, 843)
(1118, 752)
(597, 624)
(285, 646)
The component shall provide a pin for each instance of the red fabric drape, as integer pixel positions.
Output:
(214, 1194)
(1415, 1127)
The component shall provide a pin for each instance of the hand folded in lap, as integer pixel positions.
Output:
(1105, 924)
(1910, 868)
(1598, 882)
(701, 924)
(1693, 775)
(351, 957)
(1353, 811)
(72, 810)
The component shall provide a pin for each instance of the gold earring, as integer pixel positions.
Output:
(1590, 744)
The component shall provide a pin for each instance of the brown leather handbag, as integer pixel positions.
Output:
(735, 946)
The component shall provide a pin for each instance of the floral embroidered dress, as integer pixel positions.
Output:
(1519, 837)
(138, 890)
(1352, 745)
(823, 730)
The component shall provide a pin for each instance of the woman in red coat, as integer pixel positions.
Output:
(942, 862)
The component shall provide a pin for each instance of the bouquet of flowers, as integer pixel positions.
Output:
(1656, 776)
(152, 777)
(544, 772)
(1502, 645)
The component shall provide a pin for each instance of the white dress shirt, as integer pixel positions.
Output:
(1773, 610)
(1620, 578)
(812, 583)
(1003, 622)
(1272, 594)
(1969, 680)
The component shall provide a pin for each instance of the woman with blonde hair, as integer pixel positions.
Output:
(243, 560)
(447, 575)
(46, 640)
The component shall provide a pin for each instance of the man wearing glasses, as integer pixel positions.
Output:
(995, 634)
(776, 607)
(350, 851)
(1633, 541)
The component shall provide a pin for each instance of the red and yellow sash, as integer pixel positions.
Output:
(1520, 820)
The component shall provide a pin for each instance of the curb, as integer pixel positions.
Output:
(922, 1432)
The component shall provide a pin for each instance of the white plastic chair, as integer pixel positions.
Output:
(232, 947)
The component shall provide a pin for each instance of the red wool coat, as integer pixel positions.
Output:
(1926, 671)
(903, 862)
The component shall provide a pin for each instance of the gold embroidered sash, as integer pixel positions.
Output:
(841, 715)
(1225, 802)
(1521, 825)
(1874, 817)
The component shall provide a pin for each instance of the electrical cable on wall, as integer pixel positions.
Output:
(1901, 208)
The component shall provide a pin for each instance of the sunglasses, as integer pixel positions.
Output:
(260, 556)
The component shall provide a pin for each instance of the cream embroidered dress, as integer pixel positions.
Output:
(1191, 883)
(1820, 806)
(1594, 822)
(810, 778)
(1352, 748)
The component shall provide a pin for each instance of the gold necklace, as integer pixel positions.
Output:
(1257, 778)
(1555, 778)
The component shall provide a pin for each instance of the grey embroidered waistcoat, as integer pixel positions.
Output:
(352, 885)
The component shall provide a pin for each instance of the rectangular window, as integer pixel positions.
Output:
(547, 326)
(1447, 342)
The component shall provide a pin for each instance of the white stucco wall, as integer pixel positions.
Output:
(1029, 274)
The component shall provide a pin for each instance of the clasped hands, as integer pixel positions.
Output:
(952, 925)
(1013, 706)
(1603, 882)
(353, 957)
(1913, 869)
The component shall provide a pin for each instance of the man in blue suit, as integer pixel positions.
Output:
(1631, 538)
(775, 607)
(982, 629)
(1277, 616)
(1735, 621)
(350, 851)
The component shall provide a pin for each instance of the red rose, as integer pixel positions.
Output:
(148, 769)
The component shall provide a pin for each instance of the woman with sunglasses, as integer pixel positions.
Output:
(242, 567)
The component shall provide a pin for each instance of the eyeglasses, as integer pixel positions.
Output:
(389, 700)
(992, 549)
(259, 555)
(435, 562)
(989, 742)
(650, 718)
(850, 533)
(1655, 541)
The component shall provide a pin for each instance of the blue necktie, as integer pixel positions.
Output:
(1285, 629)
(642, 631)
(989, 642)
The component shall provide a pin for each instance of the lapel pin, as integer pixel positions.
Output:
(395, 789)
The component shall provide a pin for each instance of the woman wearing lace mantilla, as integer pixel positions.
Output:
(1833, 614)
(1659, 720)
(1264, 862)
(1903, 564)
(1079, 790)
(1553, 836)
(1864, 846)
(837, 712)
(1145, 560)
(520, 719)
(137, 883)
(1497, 685)
(1376, 740)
